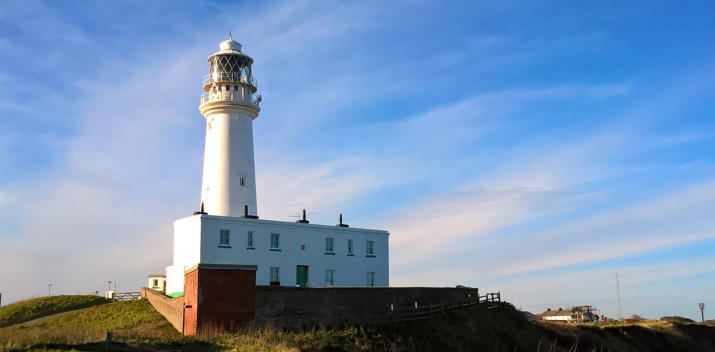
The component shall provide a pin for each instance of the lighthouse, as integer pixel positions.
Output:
(226, 238)
(229, 105)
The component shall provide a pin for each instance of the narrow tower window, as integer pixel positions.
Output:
(350, 246)
(242, 181)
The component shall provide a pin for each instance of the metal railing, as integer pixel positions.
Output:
(126, 296)
(230, 77)
(237, 96)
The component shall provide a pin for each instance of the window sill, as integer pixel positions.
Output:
(369, 255)
(350, 255)
(275, 249)
(330, 253)
(250, 247)
(223, 246)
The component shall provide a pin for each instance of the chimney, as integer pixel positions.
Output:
(304, 220)
(245, 213)
(201, 212)
(341, 222)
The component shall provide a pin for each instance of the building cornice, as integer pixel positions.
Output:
(286, 224)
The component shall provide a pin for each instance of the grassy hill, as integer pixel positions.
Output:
(136, 326)
(34, 308)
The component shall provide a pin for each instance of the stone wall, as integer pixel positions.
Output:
(289, 307)
(170, 308)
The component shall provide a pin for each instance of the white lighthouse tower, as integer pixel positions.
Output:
(229, 106)
(227, 234)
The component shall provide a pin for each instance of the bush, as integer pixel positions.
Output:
(677, 319)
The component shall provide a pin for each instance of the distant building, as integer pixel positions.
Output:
(580, 314)
(157, 282)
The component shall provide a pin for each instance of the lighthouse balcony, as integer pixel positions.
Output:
(240, 96)
(231, 77)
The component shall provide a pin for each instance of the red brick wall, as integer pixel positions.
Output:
(191, 298)
(220, 299)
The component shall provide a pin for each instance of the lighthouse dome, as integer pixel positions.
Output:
(230, 45)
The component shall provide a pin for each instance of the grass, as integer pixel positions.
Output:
(134, 322)
(138, 327)
(34, 308)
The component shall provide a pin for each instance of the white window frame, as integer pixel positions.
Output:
(369, 247)
(278, 240)
(274, 273)
(227, 242)
(329, 245)
(370, 279)
(329, 277)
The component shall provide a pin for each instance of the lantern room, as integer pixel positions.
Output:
(230, 77)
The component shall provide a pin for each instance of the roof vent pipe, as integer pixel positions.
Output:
(304, 220)
(245, 213)
(341, 222)
(200, 212)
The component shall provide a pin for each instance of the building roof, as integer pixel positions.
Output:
(332, 228)
(157, 275)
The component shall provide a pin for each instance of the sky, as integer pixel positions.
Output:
(535, 148)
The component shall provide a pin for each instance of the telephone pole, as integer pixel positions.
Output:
(618, 296)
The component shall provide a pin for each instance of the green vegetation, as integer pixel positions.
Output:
(138, 327)
(34, 308)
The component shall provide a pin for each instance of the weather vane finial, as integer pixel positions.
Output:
(230, 36)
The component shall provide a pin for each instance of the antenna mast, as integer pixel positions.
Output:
(618, 296)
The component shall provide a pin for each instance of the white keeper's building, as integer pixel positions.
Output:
(227, 230)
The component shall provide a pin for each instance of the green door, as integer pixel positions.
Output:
(301, 276)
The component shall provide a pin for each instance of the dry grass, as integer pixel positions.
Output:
(138, 327)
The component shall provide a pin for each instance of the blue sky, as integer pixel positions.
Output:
(532, 148)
